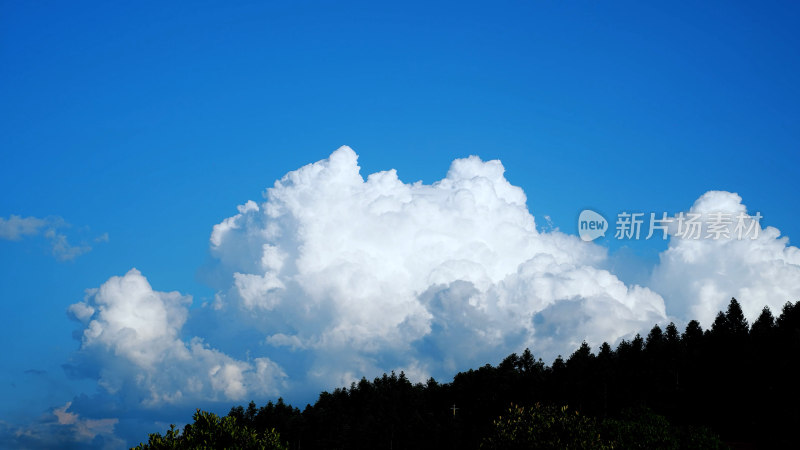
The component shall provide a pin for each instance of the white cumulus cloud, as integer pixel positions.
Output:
(700, 272)
(131, 340)
(370, 275)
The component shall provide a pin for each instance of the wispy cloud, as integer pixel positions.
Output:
(15, 228)
(61, 428)
(62, 249)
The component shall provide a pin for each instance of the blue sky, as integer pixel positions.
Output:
(129, 131)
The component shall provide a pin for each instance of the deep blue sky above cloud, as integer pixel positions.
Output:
(129, 131)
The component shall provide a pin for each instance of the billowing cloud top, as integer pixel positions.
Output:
(356, 270)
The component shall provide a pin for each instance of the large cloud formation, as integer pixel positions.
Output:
(700, 272)
(333, 277)
(371, 274)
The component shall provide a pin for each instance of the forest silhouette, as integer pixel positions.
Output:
(732, 385)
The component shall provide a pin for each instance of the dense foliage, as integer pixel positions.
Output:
(211, 432)
(740, 382)
(550, 427)
(544, 427)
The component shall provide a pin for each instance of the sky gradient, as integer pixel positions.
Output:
(131, 134)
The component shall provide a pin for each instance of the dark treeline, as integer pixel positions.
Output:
(740, 381)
